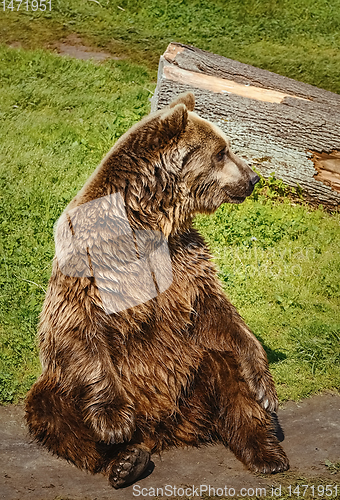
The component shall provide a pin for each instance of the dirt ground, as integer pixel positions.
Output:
(73, 46)
(312, 436)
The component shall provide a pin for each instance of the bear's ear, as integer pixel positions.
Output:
(187, 98)
(172, 123)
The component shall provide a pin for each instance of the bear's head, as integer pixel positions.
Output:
(212, 173)
(170, 166)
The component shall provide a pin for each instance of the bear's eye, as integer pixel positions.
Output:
(221, 154)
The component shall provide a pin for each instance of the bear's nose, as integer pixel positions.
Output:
(254, 178)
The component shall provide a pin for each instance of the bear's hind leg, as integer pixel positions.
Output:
(54, 421)
(242, 423)
(249, 432)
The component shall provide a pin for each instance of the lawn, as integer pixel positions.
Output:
(278, 260)
(296, 38)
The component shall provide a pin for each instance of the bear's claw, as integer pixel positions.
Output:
(265, 393)
(271, 467)
(129, 466)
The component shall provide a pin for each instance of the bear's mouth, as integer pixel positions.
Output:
(237, 199)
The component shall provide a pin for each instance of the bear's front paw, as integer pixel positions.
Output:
(128, 466)
(112, 426)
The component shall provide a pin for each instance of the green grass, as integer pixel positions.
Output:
(278, 262)
(299, 39)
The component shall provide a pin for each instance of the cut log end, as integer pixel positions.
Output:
(328, 168)
(172, 51)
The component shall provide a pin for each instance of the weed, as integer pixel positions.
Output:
(334, 468)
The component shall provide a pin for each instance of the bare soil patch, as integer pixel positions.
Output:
(73, 46)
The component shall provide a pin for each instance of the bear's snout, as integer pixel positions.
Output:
(254, 178)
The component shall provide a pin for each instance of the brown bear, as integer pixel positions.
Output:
(125, 375)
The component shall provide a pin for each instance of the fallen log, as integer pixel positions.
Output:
(279, 125)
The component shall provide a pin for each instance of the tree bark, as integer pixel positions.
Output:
(279, 125)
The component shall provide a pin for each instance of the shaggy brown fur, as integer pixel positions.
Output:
(180, 369)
